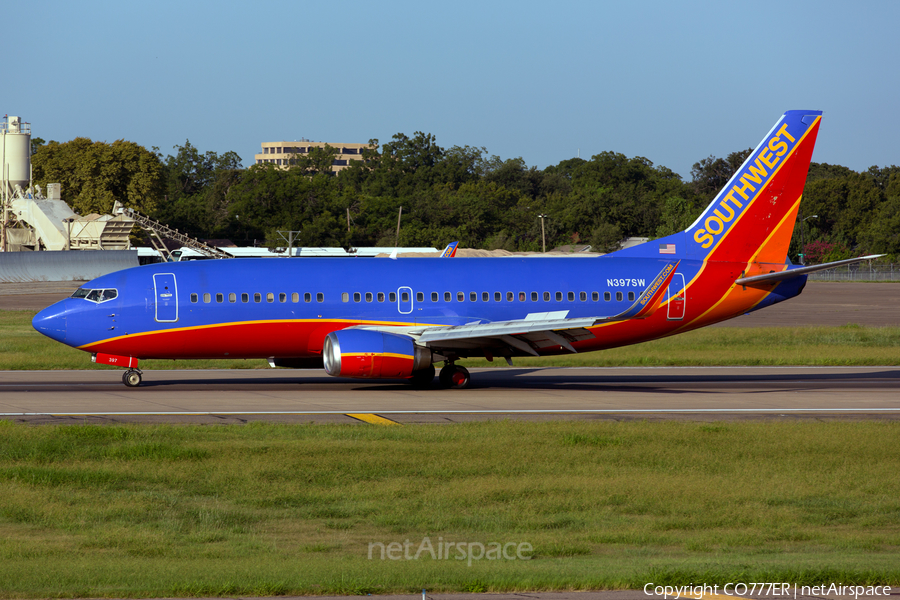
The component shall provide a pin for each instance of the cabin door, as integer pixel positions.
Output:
(404, 300)
(675, 295)
(166, 294)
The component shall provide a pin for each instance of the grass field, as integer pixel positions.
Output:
(851, 345)
(275, 509)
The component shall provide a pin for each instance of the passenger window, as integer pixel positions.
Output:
(282, 297)
(194, 297)
(595, 296)
(345, 297)
(570, 296)
(392, 297)
(404, 296)
(473, 296)
(245, 297)
(447, 297)
(295, 297)
(522, 296)
(206, 298)
(582, 296)
(510, 296)
(320, 297)
(307, 297)
(356, 297)
(257, 297)
(232, 297)
(434, 296)
(368, 296)
(420, 297)
(485, 297)
(497, 297)
(460, 296)
(381, 296)
(546, 296)
(220, 298)
(631, 296)
(606, 296)
(534, 296)
(559, 296)
(270, 297)
(618, 296)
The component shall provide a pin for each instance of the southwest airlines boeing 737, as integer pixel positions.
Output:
(388, 319)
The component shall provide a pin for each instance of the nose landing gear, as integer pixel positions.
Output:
(132, 377)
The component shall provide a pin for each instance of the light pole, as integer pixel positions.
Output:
(802, 221)
(543, 237)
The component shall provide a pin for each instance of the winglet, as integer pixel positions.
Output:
(450, 250)
(650, 298)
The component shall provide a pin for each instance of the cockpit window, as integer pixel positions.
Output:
(97, 296)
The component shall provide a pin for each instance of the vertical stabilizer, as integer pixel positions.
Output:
(751, 220)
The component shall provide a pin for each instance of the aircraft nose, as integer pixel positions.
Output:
(52, 322)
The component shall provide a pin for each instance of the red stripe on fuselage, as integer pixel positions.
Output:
(254, 339)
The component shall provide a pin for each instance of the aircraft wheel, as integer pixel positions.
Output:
(454, 377)
(423, 377)
(131, 378)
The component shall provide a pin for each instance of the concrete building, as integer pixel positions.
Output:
(282, 153)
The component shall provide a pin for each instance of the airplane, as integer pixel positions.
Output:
(395, 318)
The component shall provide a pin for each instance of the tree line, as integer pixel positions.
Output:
(446, 194)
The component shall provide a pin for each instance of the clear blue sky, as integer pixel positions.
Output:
(670, 81)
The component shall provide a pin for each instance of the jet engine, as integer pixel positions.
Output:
(372, 354)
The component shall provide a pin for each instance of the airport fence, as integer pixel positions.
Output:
(859, 272)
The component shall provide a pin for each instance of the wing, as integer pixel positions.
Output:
(537, 331)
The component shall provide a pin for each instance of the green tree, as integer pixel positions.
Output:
(605, 238)
(94, 175)
(196, 190)
(710, 174)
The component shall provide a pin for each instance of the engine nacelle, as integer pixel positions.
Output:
(372, 354)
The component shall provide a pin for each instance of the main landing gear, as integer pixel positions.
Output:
(454, 377)
(132, 377)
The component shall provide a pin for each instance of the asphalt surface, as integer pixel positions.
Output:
(228, 396)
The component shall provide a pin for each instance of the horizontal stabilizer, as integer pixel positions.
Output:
(791, 273)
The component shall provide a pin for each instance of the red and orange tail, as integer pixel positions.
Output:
(752, 218)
